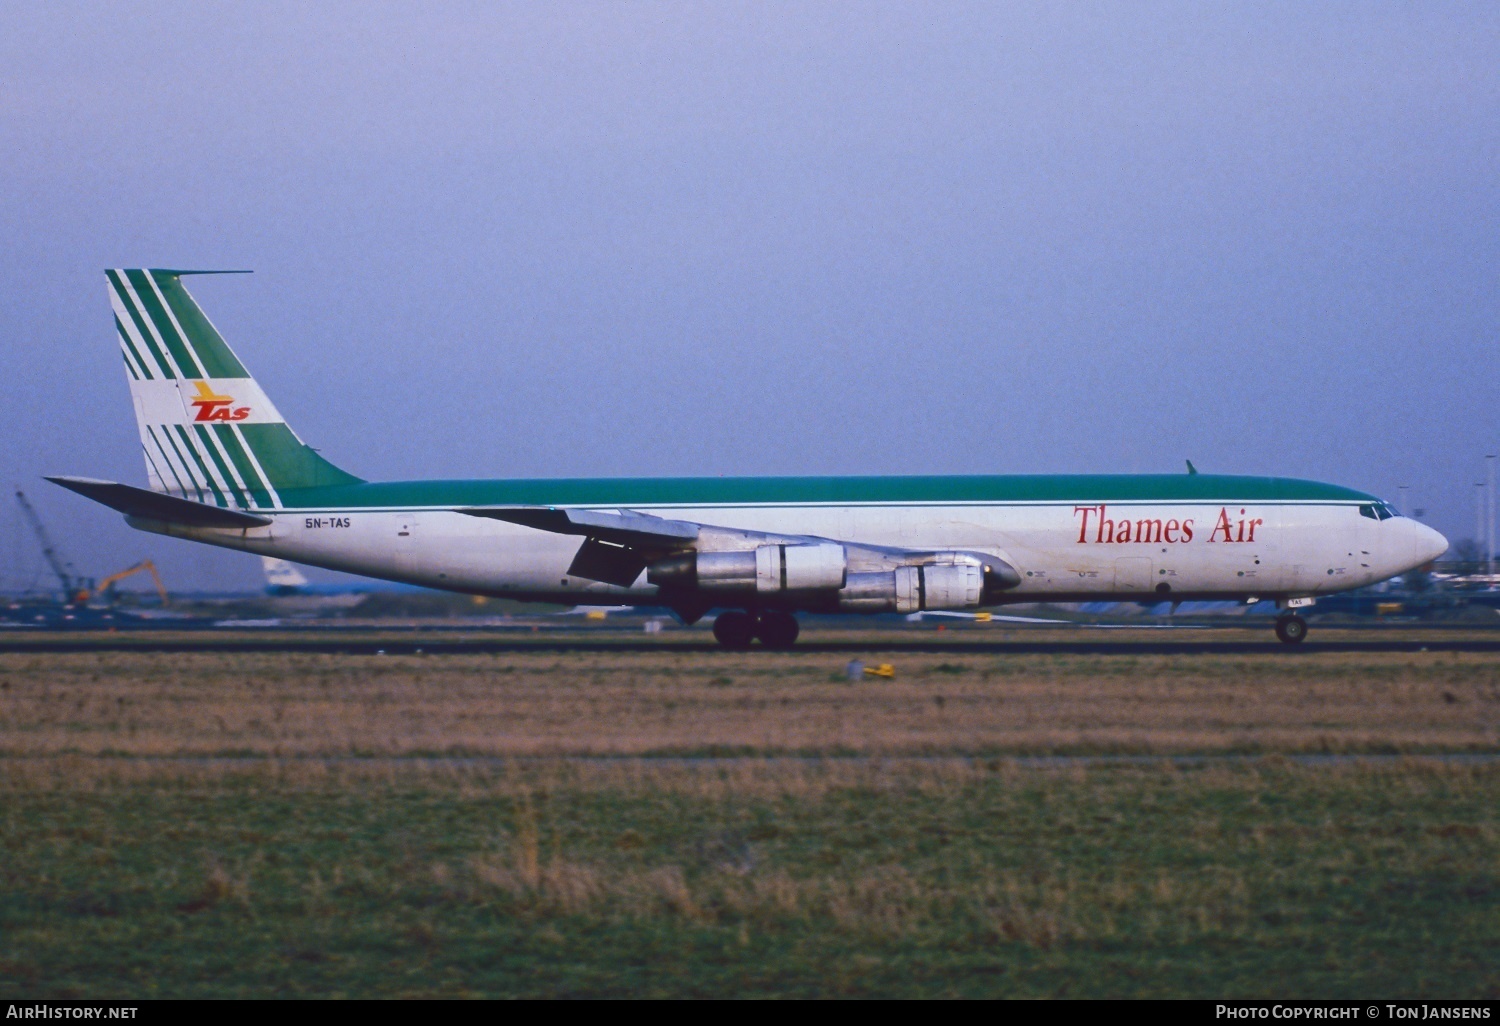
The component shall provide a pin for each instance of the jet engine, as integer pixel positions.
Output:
(908, 589)
(769, 568)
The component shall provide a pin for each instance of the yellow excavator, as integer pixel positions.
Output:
(76, 588)
(145, 566)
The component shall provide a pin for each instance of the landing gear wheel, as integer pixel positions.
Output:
(777, 629)
(734, 629)
(1291, 629)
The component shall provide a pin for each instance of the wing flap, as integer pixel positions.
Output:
(597, 560)
(148, 505)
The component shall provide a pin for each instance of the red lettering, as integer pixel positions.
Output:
(241, 413)
(212, 411)
(1146, 531)
(1222, 525)
(1252, 527)
(1085, 510)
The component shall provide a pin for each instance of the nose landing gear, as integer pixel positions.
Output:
(1291, 628)
(775, 629)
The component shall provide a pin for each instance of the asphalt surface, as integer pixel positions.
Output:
(1184, 641)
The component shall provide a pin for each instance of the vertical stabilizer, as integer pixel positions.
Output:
(208, 431)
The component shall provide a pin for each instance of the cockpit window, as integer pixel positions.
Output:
(1378, 511)
(1369, 511)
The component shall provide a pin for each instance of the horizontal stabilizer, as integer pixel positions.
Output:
(149, 505)
(622, 528)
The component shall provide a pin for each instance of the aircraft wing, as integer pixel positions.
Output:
(149, 505)
(618, 545)
(626, 527)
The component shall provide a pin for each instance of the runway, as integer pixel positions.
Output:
(1182, 641)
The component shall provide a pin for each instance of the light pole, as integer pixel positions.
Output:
(1479, 520)
(1401, 499)
(1489, 548)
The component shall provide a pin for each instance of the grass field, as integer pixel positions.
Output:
(265, 824)
(694, 703)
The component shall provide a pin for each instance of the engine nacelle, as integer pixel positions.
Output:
(958, 586)
(819, 567)
(769, 568)
(908, 589)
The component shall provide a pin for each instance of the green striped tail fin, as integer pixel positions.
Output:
(208, 431)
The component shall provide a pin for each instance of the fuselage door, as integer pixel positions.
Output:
(407, 561)
(1133, 573)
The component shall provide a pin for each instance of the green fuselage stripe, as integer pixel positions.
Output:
(853, 491)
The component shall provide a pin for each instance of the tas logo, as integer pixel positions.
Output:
(212, 406)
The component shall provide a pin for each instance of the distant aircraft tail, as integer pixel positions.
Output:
(282, 578)
(208, 431)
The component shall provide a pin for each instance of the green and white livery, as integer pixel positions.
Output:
(208, 432)
(224, 468)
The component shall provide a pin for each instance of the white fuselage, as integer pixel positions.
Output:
(1062, 551)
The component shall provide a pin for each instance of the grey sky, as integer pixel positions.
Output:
(632, 239)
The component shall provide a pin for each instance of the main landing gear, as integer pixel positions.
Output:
(774, 628)
(1291, 628)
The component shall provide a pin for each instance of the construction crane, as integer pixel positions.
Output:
(145, 566)
(74, 587)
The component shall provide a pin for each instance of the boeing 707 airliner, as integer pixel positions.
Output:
(224, 468)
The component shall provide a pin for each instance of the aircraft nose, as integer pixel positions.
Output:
(1411, 545)
(1427, 544)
